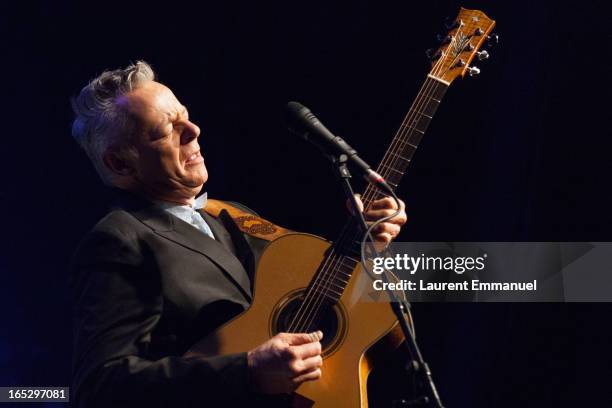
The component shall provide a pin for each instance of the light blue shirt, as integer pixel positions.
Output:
(189, 213)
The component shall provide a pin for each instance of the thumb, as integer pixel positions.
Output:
(295, 339)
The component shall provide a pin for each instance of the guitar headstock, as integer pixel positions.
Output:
(467, 34)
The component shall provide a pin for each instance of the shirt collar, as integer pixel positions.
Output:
(184, 212)
(198, 204)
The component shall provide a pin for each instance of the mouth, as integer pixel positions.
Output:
(194, 158)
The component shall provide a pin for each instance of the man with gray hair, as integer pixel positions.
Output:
(156, 274)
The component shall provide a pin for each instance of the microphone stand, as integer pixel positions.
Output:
(417, 366)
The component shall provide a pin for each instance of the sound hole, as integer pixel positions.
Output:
(330, 319)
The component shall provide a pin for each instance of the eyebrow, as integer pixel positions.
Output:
(175, 116)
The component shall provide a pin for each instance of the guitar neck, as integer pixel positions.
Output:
(410, 133)
(346, 252)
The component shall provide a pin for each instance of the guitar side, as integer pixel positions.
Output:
(367, 331)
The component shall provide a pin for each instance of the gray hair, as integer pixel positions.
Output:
(100, 123)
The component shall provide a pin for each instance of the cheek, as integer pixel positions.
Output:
(155, 162)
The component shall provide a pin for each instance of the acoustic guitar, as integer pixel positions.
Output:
(304, 283)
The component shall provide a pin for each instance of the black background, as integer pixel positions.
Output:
(521, 152)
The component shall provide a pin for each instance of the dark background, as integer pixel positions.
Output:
(520, 153)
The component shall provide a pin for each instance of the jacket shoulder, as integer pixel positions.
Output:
(115, 236)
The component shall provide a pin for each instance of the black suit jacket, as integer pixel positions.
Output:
(146, 286)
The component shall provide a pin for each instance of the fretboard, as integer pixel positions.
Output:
(333, 276)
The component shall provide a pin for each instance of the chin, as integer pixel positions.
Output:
(197, 178)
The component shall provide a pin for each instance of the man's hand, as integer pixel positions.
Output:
(384, 207)
(284, 362)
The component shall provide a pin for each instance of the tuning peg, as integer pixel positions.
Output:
(459, 63)
(492, 40)
(443, 39)
(473, 71)
(478, 31)
(482, 55)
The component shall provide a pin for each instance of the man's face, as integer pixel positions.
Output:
(168, 165)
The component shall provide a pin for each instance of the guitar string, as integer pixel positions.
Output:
(313, 313)
(314, 289)
(436, 86)
(404, 130)
(326, 273)
(327, 278)
(436, 71)
(292, 328)
(324, 278)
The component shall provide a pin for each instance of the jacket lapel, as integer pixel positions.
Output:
(180, 232)
(243, 249)
(221, 234)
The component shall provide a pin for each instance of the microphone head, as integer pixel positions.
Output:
(302, 122)
(299, 118)
(301, 113)
(296, 108)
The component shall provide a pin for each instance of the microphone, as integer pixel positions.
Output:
(306, 125)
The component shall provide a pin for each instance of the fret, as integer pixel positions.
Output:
(347, 271)
(395, 178)
(327, 281)
(349, 268)
(422, 114)
(379, 194)
(399, 156)
(340, 264)
(416, 136)
(410, 128)
(328, 284)
(326, 292)
(421, 123)
(354, 252)
(354, 259)
(386, 166)
(407, 150)
(439, 91)
(342, 281)
(404, 145)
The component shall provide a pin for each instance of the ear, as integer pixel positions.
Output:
(119, 162)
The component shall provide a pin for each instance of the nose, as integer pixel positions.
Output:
(190, 131)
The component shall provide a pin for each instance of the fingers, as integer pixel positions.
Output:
(373, 215)
(386, 227)
(283, 362)
(384, 203)
(296, 339)
(313, 375)
(386, 207)
(304, 351)
(349, 204)
(387, 203)
(311, 363)
(384, 237)
(304, 359)
(300, 368)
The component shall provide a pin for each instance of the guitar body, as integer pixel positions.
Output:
(360, 331)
